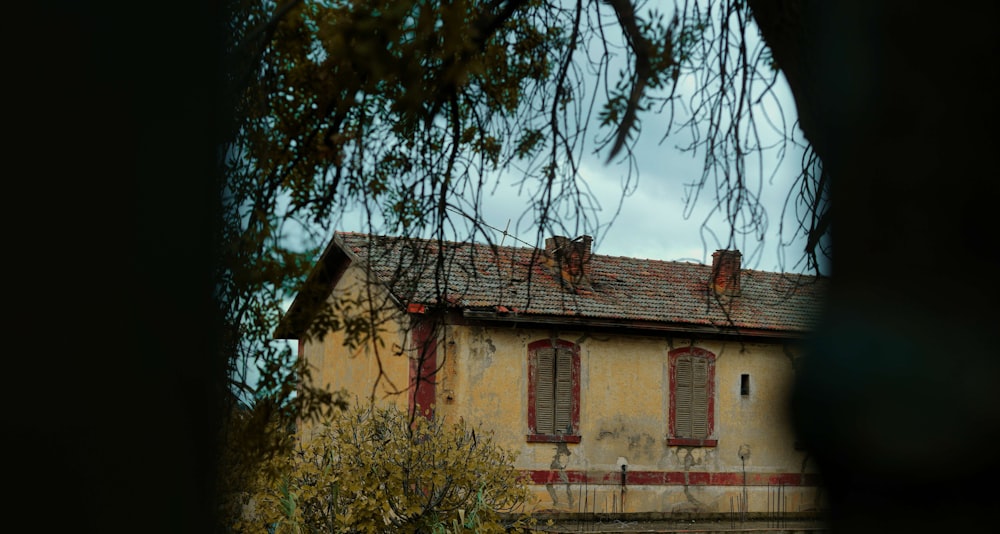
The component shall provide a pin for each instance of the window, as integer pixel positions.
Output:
(692, 397)
(554, 391)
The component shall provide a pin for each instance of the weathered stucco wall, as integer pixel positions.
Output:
(624, 412)
(624, 407)
(336, 365)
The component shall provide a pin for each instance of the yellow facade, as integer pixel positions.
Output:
(624, 408)
(366, 370)
(618, 454)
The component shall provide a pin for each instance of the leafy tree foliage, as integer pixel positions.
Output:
(410, 113)
(371, 469)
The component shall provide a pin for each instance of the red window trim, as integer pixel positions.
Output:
(532, 436)
(692, 442)
(423, 384)
(672, 438)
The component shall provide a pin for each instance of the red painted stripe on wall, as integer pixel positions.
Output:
(668, 478)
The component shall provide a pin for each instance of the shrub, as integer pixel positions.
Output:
(371, 469)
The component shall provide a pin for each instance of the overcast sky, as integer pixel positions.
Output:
(652, 222)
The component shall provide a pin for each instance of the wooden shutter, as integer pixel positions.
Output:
(691, 389)
(545, 360)
(564, 392)
(682, 397)
(699, 398)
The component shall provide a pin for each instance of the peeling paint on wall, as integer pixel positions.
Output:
(690, 456)
(623, 414)
(687, 457)
(482, 351)
(559, 461)
(641, 445)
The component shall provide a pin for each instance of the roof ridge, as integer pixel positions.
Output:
(518, 248)
(625, 290)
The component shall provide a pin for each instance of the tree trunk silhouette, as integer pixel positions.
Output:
(898, 99)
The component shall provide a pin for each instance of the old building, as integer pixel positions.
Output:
(625, 385)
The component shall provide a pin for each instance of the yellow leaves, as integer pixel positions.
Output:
(469, 134)
(371, 470)
(345, 87)
(490, 147)
(528, 142)
(411, 54)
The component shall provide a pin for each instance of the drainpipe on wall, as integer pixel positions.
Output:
(621, 495)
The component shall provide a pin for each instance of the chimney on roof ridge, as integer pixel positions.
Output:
(572, 256)
(726, 272)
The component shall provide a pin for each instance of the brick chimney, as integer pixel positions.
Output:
(571, 256)
(726, 272)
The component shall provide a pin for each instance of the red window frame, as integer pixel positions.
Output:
(533, 436)
(672, 438)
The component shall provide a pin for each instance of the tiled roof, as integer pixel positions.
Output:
(520, 281)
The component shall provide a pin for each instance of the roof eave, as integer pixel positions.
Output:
(314, 292)
(649, 327)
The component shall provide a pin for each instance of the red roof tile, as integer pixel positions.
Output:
(520, 280)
